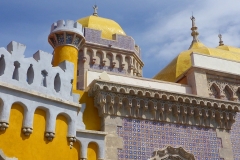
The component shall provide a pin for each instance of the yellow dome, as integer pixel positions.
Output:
(229, 48)
(107, 26)
(183, 61)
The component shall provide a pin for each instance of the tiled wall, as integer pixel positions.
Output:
(123, 42)
(142, 137)
(235, 138)
(106, 68)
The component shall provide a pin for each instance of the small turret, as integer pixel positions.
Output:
(66, 37)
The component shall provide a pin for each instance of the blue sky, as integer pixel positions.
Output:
(160, 27)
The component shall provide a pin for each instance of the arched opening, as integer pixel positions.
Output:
(2, 65)
(89, 56)
(238, 94)
(92, 153)
(99, 59)
(44, 78)
(128, 64)
(57, 83)
(30, 74)
(16, 72)
(215, 92)
(118, 62)
(108, 62)
(228, 93)
(1, 106)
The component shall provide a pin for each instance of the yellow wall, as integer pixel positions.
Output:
(36, 147)
(92, 151)
(90, 116)
(69, 53)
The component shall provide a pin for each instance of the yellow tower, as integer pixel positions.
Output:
(66, 37)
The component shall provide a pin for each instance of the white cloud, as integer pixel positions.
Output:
(161, 28)
(169, 34)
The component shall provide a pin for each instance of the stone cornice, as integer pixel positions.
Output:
(150, 93)
(38, 94)
(148, 103)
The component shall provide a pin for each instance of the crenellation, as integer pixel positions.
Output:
(16, 49)
(18, 67)
(68, 26)
(43, 57)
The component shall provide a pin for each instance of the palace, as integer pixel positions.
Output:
(88, 100)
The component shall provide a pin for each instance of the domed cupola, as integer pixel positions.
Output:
(107, 26)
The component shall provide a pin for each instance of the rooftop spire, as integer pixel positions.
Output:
(194, 30)
(95, 8)
(220, 40)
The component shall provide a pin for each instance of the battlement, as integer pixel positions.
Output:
(66, 33)
(119, 41)
(68, 25)
(36, 74)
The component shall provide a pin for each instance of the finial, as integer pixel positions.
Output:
(220, 40)
(194, 30)
(95, 8)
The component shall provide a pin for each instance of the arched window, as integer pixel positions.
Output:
(228, 93)
(57, 83)
(44, 78)
(215, 92)
(16, 72)
(30, 74)
(238, 94)
(2, 65)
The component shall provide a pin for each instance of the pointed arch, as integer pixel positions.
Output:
(215, 91)
(238, 94)
(228, 92)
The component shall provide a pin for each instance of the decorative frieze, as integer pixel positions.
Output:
(223, 88)
(172, 153)
(143, 103)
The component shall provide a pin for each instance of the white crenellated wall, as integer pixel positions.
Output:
(40, 62)
(21, 81)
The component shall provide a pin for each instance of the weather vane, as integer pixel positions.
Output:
(95, 8)
(220, 39)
